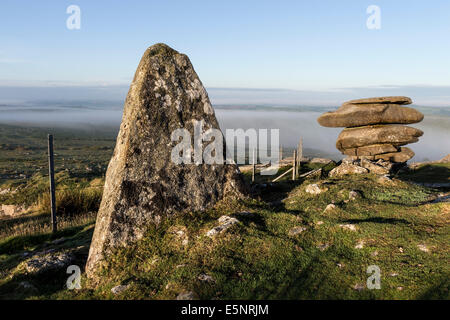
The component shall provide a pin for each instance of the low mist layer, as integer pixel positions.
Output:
(293, 121)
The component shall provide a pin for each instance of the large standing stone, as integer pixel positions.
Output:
(142, 184)
(355, 115)
(396, 135)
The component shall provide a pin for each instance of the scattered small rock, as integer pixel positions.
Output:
(119, 289)
(400, 249)
(315, 189)
(168, 285)
(205, 278)
(323, 246)
(348, 226)
(330, 207)
(353, 195)
(319, 223)
(187, 295)
(393, 274)
(385, 180)
(12, 210)
(399, 288)
(423, 248)
(360, 244)
(359, 287)
(374, 254)
(296, 230)
(225, 223)
(180, 233)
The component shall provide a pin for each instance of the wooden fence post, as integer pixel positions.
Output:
(254, 166)
(299, 154)
(294, 164)
(51, 171)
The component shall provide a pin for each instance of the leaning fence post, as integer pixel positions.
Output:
(51, 171)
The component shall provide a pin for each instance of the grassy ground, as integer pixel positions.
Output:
(396, 227)
(80, 156)
(393, 225)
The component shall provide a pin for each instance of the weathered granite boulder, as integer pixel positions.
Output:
(390, 99)
(396, 135)
(374, 132)
(445, 159)
(373, 167)
(47, 261)
(143, 185)
(370, 150)
(347, 168)
(401, 156)
(12, 210)
(355, 115)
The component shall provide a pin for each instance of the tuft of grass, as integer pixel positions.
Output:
(72, 201)
(38, 224)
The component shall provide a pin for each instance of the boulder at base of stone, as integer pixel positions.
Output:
(396, 135)
(143, 185)
(347, 168)
(402, 156)
(373, 167)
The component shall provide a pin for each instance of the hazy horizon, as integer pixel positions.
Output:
(294, 121)
(432, 96)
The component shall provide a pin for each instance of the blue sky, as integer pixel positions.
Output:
(299, 45)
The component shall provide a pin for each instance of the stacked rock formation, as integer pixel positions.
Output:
(375, 128)
(143, 185)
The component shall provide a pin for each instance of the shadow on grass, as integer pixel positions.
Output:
(19, 243)
(432, 173)
(46, 283)
(30, 219)
(377, 220)
(439, 291)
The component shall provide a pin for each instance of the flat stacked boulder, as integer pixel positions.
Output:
(375, 128)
